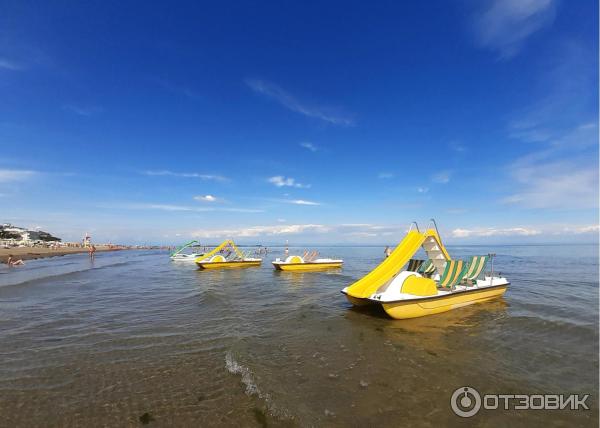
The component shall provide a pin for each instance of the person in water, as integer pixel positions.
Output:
(92, 251)
(14, 262)
(387, 251)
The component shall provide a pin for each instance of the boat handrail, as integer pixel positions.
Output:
(183, 247)
(432, 221)
(416, 225)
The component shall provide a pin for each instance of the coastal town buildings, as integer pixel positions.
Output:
(14, 235)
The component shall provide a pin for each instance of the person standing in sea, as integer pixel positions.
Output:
(387, 251)
(92, 250)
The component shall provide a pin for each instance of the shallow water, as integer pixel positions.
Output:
(103, 343)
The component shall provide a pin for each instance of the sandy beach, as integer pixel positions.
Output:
(29, 253)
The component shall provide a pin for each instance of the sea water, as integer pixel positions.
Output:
(132, 338)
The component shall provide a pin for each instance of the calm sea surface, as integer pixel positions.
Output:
(102, 343)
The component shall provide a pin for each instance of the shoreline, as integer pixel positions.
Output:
(32, 253)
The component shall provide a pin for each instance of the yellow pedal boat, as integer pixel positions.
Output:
(418, 290)
(215, 260)
(298, 264)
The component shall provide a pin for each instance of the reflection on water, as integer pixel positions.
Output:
(134, 335)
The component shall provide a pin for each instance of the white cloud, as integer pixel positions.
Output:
(255, 231)
(578, 230)
(457, 147)
(422, 189)
(241, 210)
(289, 101)
(362, 234)
(456, 211)
(492, 231)
(442, 177)
(561, 171)
(206, 177)
(302, 202)
(83, 111)
(545, 230)
(183, 208)
(10, 175)
(555, 184)
(342, 230)
(281, 181)
(292, 201)
(385, 175)
(176, 88)
(530, 135)
(164, 207)
(309, 146)
(367, 230)
(504, 25)
(561, 95)
(207, 198)
(7, 64)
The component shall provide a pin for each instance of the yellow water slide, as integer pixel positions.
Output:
(222, 246)
(390, 267)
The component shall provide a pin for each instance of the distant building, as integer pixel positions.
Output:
(20, 235)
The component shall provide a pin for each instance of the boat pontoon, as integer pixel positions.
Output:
(308, 263)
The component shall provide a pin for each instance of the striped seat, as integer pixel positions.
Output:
(454, 272)
(427, 268)
(414, 265)
(475, 267)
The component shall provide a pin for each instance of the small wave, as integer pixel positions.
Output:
(346, 277)
(552, 326)
(234, 367)
(29, 276)
(247, 376)
(108, 265)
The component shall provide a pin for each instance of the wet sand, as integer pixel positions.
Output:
(30, 253)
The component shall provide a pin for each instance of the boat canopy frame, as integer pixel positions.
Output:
(225, 244)
(183, 247)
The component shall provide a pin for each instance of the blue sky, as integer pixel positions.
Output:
(337, 122)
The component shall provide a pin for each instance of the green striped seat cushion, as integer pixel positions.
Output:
(414, 265)
(427, 268)
(475, 267)
(454, 272)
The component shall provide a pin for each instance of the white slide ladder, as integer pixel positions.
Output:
(434, 253)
